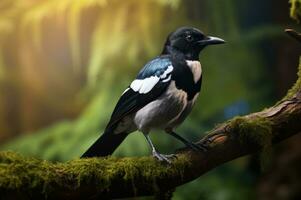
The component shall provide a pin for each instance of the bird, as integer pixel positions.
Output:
(161, 96)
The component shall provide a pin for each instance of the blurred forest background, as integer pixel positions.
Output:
(64, 63)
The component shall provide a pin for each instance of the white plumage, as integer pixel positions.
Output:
(196, 69)
(167, 71)
(144, 86)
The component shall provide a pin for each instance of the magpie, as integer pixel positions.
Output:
(161, 96)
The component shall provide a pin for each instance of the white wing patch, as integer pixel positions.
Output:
(166, 80)
(167, 71)
(196, 69)
(144, 86)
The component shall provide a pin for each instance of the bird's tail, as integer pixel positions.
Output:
(105, 145)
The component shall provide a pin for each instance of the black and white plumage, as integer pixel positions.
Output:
(161, 96)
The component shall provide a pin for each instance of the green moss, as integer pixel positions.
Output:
(297, 85)
(20, 173)
(295, 11)
(256, 131)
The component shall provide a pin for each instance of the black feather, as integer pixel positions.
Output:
(105, 145)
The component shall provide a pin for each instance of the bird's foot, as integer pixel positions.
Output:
(197, 147)
(163, 158)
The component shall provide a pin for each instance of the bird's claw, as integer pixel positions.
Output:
(163, 158)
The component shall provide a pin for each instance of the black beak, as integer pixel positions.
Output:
(211, 40)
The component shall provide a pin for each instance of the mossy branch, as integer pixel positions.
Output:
(31, 178)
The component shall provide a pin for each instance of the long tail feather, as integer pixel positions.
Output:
(105, 145)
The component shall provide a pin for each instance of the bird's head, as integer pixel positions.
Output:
(189, 41)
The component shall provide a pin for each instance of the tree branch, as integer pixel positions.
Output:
(26, 178)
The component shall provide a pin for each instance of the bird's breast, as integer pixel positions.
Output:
(196, 69)
(188, 77)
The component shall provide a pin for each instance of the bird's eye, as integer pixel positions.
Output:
(189, 38)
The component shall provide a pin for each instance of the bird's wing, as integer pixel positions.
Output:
(150, 83)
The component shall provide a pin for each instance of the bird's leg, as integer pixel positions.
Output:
(196, 147)
(155, 153)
